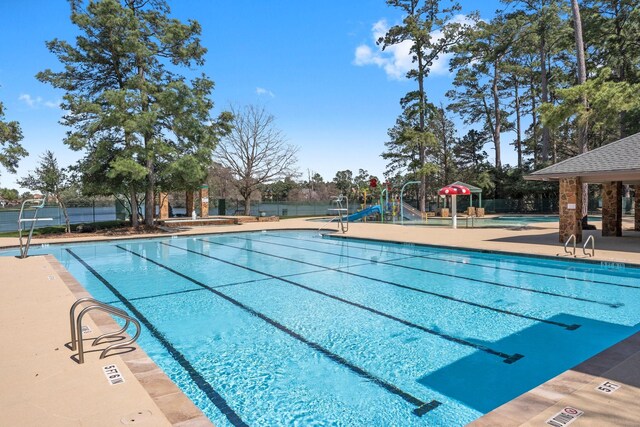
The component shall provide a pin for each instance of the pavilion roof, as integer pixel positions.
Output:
(617, 161)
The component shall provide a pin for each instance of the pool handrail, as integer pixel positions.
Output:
(573, 236)
(593, 246)
(76, 327)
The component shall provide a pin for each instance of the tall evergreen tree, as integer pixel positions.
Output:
(124, 97)
(10, 149)
(422, 19)
(583, 128)
(481, 61)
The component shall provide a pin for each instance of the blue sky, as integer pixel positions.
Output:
(313, 65)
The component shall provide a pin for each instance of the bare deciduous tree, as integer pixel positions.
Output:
(255, 151)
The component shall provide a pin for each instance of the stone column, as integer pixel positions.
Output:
(189, 205)
(636, 207)
(164, 205)
(612, 208)
(204, 200)
(570, 209)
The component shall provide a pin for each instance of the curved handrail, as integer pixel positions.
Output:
(593, 246)
(573, 236)
(75, 334)
(76, 327)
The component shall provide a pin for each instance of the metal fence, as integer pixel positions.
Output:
(77, 215)
(99, 213)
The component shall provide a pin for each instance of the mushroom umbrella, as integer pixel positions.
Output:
(454, 190)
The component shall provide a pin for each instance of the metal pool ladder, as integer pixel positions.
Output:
(572, 237)
(76, 327)
(593, 246)
(36, 204)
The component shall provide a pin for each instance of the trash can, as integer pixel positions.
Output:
(222, 207)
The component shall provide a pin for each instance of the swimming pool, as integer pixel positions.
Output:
(286, 328)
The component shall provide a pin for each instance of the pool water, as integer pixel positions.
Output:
(288, 328)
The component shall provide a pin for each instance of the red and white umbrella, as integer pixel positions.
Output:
(454, 190)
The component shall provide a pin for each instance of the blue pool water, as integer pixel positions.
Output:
(287, 328)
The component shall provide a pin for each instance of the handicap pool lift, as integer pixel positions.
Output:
(341, 214)
(35, 205)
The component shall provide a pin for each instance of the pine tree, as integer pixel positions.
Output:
(422, 19)
(10, 149)
(124, 98)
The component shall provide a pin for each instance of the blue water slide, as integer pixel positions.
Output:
(361, 214)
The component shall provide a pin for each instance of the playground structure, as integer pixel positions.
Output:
(393, 208)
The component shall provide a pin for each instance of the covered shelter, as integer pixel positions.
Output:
(611, 166)
(473, 189)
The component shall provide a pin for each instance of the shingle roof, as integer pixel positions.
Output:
(619, 156)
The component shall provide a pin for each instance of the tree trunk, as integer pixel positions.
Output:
(150, 200)
(534, 122)
(421, 155)
(247, 204)
(67, 222)
(583, 128)
(445, 149)
(545, 97)
(518, 124)
(134, 209)
(497, 114)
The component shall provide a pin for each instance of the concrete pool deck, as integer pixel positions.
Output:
(42, 385)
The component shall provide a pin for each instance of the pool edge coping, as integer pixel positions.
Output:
(549, 394)
(172, 395)
(592, 261)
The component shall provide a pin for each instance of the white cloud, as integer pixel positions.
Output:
(263, 91)
(396, 60)
(27, 99)
(37, 101)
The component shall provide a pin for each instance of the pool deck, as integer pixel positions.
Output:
(42, 385)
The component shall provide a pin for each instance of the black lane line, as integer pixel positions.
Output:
(411, 288)
(422, 407)
(487, 282)
(508, 358)
(437, 258)
(157, 296)
(197, 378)
(220, 286)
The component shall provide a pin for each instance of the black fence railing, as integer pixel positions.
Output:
(94, 213)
